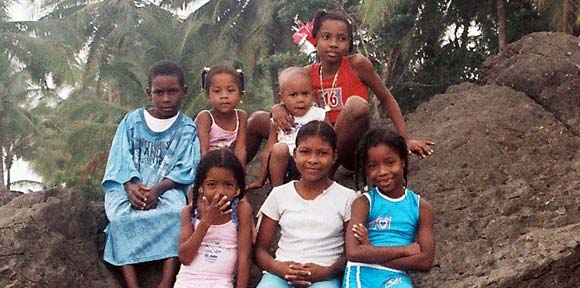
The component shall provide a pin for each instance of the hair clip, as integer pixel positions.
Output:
(203, 76)
(241, 73)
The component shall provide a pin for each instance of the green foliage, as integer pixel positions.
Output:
(101, 51)
(17, 125)
(563, 15)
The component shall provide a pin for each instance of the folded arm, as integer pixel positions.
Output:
(365, 252)
(426, 239)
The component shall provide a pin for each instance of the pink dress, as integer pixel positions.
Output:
(215, 263)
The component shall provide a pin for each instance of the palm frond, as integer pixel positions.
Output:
(92, 110)
(373, 12)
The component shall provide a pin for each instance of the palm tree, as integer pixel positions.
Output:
(501, 24)
(4, 6)
(564, 15)
(392, 21)
(103, 49)
(17, 126)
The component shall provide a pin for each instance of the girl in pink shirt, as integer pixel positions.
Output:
(216, 229)
(223, 126)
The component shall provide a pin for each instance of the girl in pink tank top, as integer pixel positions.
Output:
(216, 228)
(223, 126)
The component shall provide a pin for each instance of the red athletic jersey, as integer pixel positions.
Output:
(347, 84)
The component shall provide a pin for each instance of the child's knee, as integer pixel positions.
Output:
(280, 151)
(331, 283)
(356, 106)
(259, 121)
(272, 281)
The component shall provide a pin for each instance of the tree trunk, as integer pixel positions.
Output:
(390, 65)
(274, 83)
(2, 186)
(9, 160)
(3, 140)
(566, 16)
(501, 24)
(465, 33)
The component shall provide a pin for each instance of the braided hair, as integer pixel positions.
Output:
(322, 15)
(222, 158)
(373, 138)
(317, 128)
(208, 73)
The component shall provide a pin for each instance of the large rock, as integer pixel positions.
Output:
(51, 239)
(504, 182)
(7, 196)
(545, 66)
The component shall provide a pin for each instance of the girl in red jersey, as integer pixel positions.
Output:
(342, 81)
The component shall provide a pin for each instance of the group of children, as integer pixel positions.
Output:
(329, 237)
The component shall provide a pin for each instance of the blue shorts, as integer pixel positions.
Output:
(358, 276)
(270, 280)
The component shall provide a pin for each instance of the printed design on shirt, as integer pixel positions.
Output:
(392, 282)
(380, 223)
(212, 251)
(149, 153)
(331, 97)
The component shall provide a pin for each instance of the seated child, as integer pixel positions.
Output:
(391, 229)
(223, 126)
(312, 212)
(216, 229)
(341, 81)
(151, 163)
(296, 94)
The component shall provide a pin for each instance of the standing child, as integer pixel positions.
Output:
(151, 162)
(312, 212)
(399, 222)
(341, 82)
(216, 229)
(223, 126)
(296, 95)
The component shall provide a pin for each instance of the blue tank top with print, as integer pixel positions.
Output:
(392, 222)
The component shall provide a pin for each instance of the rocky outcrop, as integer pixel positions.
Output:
(51, 239)
(7, 196)
(503, 179)
(546, 67)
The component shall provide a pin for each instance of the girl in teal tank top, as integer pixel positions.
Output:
(391, 227)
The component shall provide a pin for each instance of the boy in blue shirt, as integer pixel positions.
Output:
(151, 163)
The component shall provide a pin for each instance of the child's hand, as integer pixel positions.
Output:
(317, 272)
(420, 147)
(152, 196)
(137, 194)
(413, 249)
(361, 234)
(212, 212)
(282, 119)
(294, 273)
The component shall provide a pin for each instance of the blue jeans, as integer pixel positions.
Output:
(272, 281)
